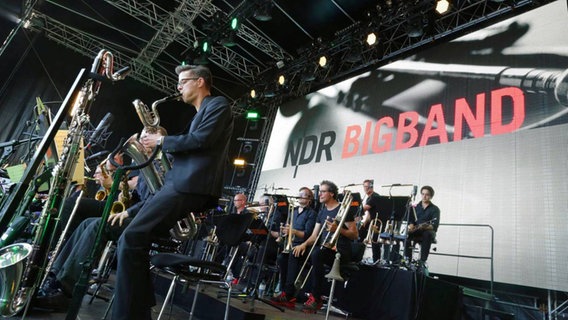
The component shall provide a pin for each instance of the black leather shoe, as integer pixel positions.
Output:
(55, 300)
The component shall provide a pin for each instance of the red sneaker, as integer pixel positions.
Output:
(313, 304)
(282, 300)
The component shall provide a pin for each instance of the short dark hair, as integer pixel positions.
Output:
(429, 189)
(369, 181)
(332, 187)
(199, 71)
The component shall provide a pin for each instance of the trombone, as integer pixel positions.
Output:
(289, 237)
(331, 244)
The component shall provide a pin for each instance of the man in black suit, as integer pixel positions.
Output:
(192, 185)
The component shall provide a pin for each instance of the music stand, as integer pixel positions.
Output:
(254, 293)
(394, 205)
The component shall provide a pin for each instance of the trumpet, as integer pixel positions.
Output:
(290, 235)
(373, 230)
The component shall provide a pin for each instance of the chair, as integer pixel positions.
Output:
(230, 229)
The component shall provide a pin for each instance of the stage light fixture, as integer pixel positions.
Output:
(262, 13)
(371, 39)
(252, 115)
(205, 46)
(442, 6)
(281, 79)
(239, 162)
(253, 93)
(235, 23)
(322, 61)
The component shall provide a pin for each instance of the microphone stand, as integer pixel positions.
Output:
(254, 293)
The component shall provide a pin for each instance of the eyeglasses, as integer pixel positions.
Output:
(183, 81)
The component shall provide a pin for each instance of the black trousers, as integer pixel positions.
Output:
(134, 293)
(68, 263)
(425, 237)
(289, 266)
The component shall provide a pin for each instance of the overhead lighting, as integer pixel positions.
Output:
(235, 23)
(263, 11)
(322, 61)
(205, 46)
(442, 6)
(281, 79)
(239, 162)
(253, 93)
(252, 115)
(371, 39)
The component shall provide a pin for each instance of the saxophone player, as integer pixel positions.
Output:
(66, 269)
(193, 184)
(321, 256)
(289, 263)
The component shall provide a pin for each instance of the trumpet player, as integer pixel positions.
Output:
(289, 263)
(424, 225)
(322, 256)
(371, 211)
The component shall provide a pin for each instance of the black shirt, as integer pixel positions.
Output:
(342, 240)
(429, 214)
(373, 201)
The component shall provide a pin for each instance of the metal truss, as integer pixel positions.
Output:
(89, 45)
(394, 42)
(178, 26)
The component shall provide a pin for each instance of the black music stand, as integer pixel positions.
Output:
(396, 207)
(254, 293)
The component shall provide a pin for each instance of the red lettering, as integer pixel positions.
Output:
(409, 129)
(435, 116)
(475, 123)
(365, 147)
(351, 138)
(385, 138)
(517, 98)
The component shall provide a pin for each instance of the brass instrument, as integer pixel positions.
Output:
(340, 220)
(375, 227)
(23, 288)
(289, 237)
(101, 195)
(212, 242)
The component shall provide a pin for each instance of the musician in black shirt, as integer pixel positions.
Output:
(424, 225)
(321, 255)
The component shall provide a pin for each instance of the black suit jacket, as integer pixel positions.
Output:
(200, 154)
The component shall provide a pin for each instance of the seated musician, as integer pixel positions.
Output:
(424, 225)
(66, 269)
(321, 255)
(371, 209)
(289, 263)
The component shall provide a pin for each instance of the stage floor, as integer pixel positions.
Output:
(97, 309)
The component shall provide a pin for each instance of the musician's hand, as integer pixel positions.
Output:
(150, 140)
(299, 250)
(113, 218)
(411, 228)
(284, 230)
(331, 226)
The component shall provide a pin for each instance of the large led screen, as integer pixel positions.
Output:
(482, 119)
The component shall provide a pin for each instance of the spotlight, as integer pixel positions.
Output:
(281, 79)
(235, 23)
(263, 11)
(415, 27)
(442, 6)
(205, 46)
(253, 93)
(252, 115)
(239, 162)
(322, 61)
(371, 39)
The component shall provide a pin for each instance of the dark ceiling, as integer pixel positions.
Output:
(154, 36)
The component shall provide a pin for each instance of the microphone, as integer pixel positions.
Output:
(99, 154)
(371, 183)
(414, 190)
(100, 129)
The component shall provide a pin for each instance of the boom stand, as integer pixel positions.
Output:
(254, 292)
